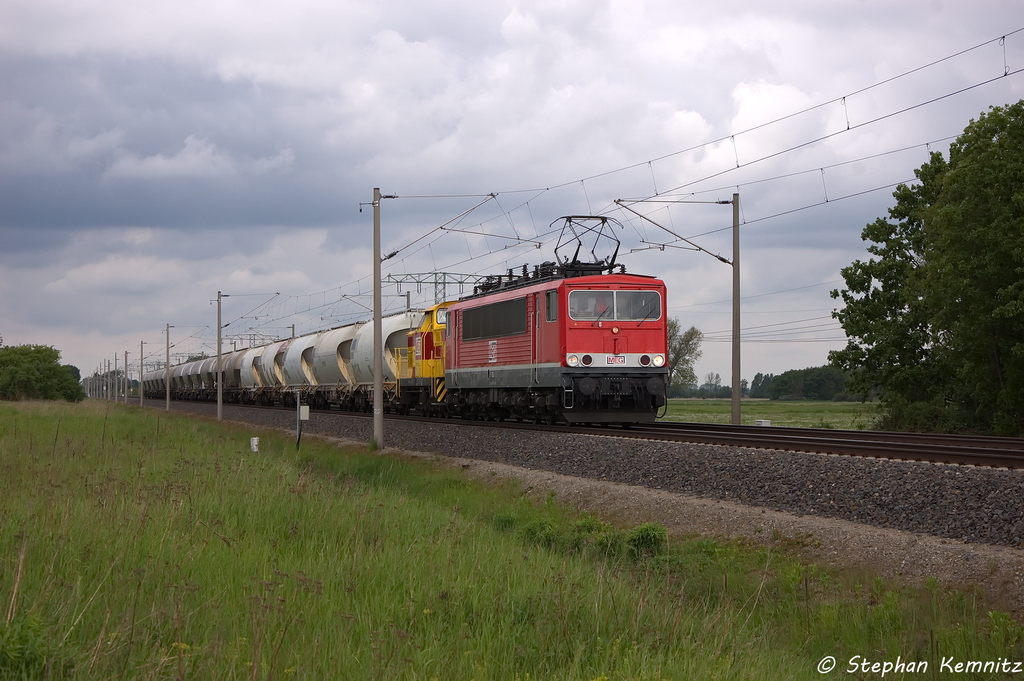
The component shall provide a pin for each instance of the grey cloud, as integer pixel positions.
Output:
(146, 162)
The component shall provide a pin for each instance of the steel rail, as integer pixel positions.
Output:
(935, 448)
(998, 452)
(1013, 443)
(988, 451)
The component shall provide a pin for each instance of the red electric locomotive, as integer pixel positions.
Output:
(573, 341)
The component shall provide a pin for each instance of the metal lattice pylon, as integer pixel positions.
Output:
(440, 280)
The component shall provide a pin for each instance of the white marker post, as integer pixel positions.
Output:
(301, 414)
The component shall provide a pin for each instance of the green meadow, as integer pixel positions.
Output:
(791, 413)
(136, 544)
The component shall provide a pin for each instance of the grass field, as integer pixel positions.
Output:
(794, 413)
(135, 544)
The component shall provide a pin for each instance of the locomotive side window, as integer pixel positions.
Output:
(618, 305)
(551, 305)
(637, 305)
(441, 316)
(506, 318)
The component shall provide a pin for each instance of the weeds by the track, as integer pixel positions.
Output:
(137, 544)
(790, 413)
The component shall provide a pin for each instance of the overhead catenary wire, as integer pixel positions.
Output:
(548, 235)
(822, 138)
(483, 259)
(760, 295)
(787, 329)
(835, 100)
(841, 99)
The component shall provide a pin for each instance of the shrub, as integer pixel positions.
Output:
(23, 649)
(649, 539)
(34, 372)
(503, 522)
(540, 533)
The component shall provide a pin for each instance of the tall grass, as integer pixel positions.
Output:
(136, 544)
(790, 413)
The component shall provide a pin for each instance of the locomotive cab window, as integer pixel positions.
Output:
(551, 305)
(441, 316)
(592, 305)
(637, 305)
(618, 305)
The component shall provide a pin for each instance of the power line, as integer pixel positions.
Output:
(1006, 72)
(804, 144)
(507, 214)
(836, 100)
(760, 295)
(840, 132)
(787, 340)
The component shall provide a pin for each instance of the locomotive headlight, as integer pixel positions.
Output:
(572, 360)
(659, 360)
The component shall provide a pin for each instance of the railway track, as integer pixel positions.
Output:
(996, 452)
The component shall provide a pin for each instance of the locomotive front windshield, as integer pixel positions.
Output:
(614, 305)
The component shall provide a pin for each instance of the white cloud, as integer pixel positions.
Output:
(519, 29)
(279, 163)
(197, 158)
(104, 143)
(115, 274)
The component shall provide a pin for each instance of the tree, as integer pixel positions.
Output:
(936, 321)
(683, 351)
(973, 272)
(759, 386)
(34, 372)
(885, 319)
(813, 383)
(712, 381)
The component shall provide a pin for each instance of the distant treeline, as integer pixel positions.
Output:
(34, 372)
(814, 383)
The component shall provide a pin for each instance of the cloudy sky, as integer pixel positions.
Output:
(152, 154)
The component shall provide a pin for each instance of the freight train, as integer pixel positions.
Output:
(572, 341)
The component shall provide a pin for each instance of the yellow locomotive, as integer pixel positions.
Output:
(422, 367)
